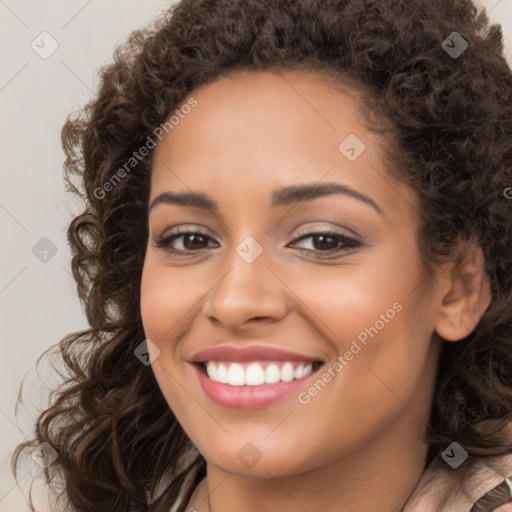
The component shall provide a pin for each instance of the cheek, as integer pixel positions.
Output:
(349, 298)
(167, 297)
(169, 302)
(156, 302)
(378, 319)
(165, 303)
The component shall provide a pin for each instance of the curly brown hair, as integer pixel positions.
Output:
(115, 435)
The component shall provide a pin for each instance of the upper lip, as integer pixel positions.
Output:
(244, 354)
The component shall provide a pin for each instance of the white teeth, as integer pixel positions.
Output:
(211, 370)
(287, 372)
(254, 374)
(236, 375)
(272, 374)
(222, 374)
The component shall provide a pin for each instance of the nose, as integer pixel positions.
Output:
(246, 296)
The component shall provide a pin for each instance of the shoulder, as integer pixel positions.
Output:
(482, 480)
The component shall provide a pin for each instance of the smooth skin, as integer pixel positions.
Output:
(357, 445)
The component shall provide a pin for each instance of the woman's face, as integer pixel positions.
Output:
(302, 251)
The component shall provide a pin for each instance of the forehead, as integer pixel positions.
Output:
(255, 131)
(250, 112)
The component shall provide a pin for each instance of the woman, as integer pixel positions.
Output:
(295, 260)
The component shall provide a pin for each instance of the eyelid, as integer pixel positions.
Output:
(197, 228)
(347, 242)
(185, 228)
(323, 229)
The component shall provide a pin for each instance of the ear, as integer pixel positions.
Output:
(468, 294)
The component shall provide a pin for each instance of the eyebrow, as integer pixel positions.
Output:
(281, 197)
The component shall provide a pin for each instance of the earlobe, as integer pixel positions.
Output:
(468, 296)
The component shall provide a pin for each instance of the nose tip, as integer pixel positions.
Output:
(248, 295)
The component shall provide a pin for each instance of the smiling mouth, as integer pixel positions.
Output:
(257, 373)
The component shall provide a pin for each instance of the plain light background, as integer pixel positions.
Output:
(38, 303)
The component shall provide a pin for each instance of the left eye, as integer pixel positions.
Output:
(328, 242)
(321, 242)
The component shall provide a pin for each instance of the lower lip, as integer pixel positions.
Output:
(249, 397)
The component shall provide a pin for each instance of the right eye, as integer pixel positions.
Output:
(183, 242)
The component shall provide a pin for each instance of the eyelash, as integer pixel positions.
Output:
(164, 242)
